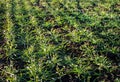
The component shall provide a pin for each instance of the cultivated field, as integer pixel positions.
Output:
(59, 41)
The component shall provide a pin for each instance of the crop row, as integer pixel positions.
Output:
(59, 40)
